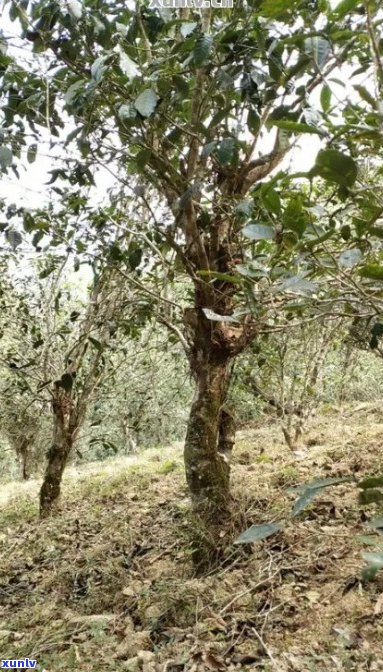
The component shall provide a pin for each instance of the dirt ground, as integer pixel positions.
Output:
(108, 582)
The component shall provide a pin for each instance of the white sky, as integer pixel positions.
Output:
(32, 191)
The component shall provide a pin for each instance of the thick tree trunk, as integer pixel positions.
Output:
(207, 468)
(210, 433)
(65, 428)
(50, 490)
(227, 428)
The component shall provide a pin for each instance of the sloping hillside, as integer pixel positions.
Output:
(108, 583)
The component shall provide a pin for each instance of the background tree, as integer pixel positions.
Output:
(288, 373)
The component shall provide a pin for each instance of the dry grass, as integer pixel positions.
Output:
(108, 581)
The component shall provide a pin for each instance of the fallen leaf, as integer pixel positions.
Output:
(213, 662)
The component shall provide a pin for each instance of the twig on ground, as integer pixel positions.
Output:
(266, 649)
(245, 592)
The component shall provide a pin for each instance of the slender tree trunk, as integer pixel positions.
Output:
(24, 454)
(65, 427)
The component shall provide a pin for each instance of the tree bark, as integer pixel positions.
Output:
(24, 454)
(207, 469)
(50, 490)
(211, 432)
(65, 428)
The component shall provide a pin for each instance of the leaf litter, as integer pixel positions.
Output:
(108, 582)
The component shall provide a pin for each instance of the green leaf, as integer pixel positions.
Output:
(208, 149)
(371, 482)
(245, 207)
(146, 102)
(299, 285)
(31, 153)
(304, 500)
(96, 343)
(276, 8)
(143, 157)
(202, 49)
(344, 8)
(377, 329)
(310, 490)
(295, 126)
(135, 258)
(181, 85)
(98, 68)
(370, 496)
(322, 483)
(127, 112)
(37, 238)
(258, 232)
(319, 48)
(334, 166)
(50, 268)
(377, 523)
(376, 231)
(259, 532)
(372, 271)
(253, 121)
(74, 91)
(187, 29)
(6, 157)
(271, 199)
(366, 95)
(325, 98)
(115, 252)
(369, 540)
(375, 563)
(127, 66)
(252, 270)
(14, 238)
(225, 151)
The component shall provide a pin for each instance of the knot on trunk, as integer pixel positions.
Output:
(225, 339)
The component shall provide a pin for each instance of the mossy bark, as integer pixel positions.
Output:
(207, 469)
(65, 428)
(210, 434)
(57, 456)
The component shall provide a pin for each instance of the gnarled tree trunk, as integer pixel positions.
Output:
(65, 427)
(211, 431)
(207, 469)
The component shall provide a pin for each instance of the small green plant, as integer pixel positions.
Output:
(167, 467)
(370, 491)
(264, 459)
